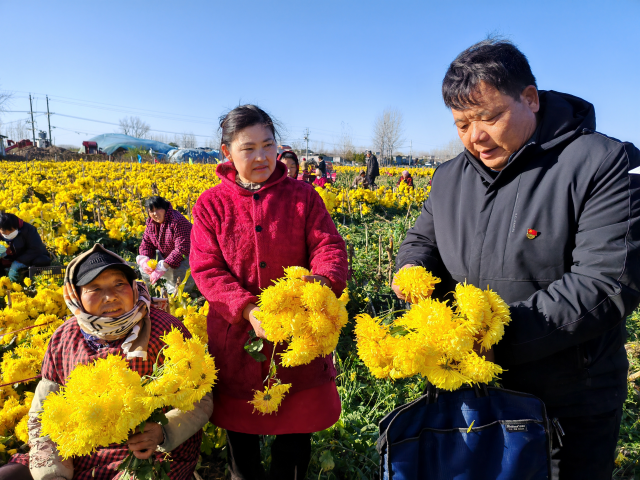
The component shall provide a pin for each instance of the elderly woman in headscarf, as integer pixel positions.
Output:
(112, 315)
(406, 178)
(167, 240)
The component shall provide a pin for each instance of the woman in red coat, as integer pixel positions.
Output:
(246, 231)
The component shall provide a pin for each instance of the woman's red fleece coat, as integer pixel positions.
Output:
(240, 243)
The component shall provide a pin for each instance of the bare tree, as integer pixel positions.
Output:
(215, 139)
(388, 130)
(5, 97)
(450, 150)
(16, 130)
(188, 140)
(344, 145)
(134, 126)
(396, 129)
(318, 147)
(160, 137)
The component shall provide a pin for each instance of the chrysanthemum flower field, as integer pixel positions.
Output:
(76, 204)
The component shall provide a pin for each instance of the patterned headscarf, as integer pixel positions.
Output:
(135, 322)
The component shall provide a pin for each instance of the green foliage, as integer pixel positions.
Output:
(628, 455)
(360, 158)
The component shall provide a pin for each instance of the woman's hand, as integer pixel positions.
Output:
(255, 323)
(144, 444)
(317, 278)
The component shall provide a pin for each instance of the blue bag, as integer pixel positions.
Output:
(474, 433)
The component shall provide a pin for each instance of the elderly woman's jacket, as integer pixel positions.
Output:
(172, 237)
(241, 242)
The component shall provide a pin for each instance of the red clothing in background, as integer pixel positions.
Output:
(408, 180)
(321, 182)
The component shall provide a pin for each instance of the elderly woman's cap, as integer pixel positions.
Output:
(96, 263)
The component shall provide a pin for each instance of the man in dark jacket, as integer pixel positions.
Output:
(25, 246)
(322, 166)
(542, 209)
(372, 169)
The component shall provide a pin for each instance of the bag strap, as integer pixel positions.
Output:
(431, 393)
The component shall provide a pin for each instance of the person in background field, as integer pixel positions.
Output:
(321, 181)
(373, 169)
(245, 233)
(25, 248)
(168, 235)
(100, 289)
(322, 166)
(360, 180)
(543, 210)
(303, 165)
(290, 160)
(406, 178)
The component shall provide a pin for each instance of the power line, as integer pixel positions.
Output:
(120, 108)
(104, 122)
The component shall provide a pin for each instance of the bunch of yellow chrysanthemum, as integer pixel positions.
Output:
(80, 418)
(329, 197)
(186, 375)
(433, 339)
(195, 319)
(306, 315)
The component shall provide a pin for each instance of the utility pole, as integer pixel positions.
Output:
(306, 137)
(49, 120)
(33, 128)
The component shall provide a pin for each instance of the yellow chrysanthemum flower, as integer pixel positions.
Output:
(416, 283)
(269, 401)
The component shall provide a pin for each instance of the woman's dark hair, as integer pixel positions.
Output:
(153, 203)
(242, 117)
(497, 62)
(290, 155)
(8, 221)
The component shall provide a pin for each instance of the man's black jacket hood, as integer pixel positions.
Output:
(571, 287)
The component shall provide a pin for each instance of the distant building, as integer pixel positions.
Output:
(284, 148)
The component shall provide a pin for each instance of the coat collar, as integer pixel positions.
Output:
(227, 173)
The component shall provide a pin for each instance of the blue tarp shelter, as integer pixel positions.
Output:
(110, 142)
(183, 155)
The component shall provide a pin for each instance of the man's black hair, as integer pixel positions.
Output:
(497, 62)
(153, 203)
(320, 157)
(8, 221)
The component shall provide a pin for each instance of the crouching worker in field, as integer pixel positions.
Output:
(246, 231)
(25, 247)
(169, 234)
(113, 315)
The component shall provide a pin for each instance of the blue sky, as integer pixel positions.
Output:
(321, 65)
